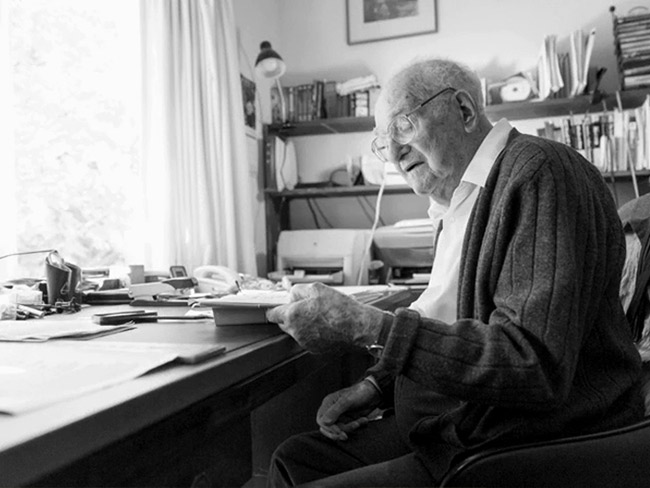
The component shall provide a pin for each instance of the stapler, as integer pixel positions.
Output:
(169, 292)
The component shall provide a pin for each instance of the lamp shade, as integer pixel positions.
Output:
(269, 64)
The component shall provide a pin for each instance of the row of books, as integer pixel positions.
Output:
(632, 44)
(320, 100)
(614, 141)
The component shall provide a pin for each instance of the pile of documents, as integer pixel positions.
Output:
(35, 375)
(42, 362)
(632, 40)
(565, 74)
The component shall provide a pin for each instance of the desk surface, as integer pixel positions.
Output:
(37, 443)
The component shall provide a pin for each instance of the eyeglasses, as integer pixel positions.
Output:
(402, 130)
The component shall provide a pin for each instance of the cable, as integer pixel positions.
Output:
(313, 213)
(28, 252)
(322, 214)
(365, 198)
(374, 224)
(364, 209)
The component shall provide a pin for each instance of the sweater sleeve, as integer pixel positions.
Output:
(541, 272)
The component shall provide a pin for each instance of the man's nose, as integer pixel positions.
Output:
(397, 151)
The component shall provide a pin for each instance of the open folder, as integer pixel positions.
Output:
(250, 306)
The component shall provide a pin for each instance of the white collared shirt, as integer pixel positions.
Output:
(439, 299)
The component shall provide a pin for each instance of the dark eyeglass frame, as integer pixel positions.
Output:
(378, 150)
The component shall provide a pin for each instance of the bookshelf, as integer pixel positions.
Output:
(277, 202)
(512, 111)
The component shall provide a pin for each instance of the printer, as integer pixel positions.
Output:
(406, 249)
(330, 256)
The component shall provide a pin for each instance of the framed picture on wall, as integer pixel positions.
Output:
(248, 95)
(376, 20)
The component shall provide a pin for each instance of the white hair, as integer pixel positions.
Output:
(423, 78)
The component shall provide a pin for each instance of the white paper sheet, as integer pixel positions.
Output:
(33, 375)
(43, 330)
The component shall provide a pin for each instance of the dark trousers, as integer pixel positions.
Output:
(376, 455)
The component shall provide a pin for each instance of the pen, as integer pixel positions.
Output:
(140, 316)
(172, 317)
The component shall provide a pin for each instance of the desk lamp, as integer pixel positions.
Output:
(269, 64)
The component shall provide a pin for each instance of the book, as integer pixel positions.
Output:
(249, 306)
(240, 315)
(373, 96)
(246, 308)
(330, 100)
(291, 101)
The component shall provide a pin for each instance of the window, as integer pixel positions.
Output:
(76, 130)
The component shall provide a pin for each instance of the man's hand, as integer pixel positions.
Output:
(322, 319)
(346, 410)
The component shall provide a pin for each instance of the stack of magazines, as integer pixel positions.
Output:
(632, 44)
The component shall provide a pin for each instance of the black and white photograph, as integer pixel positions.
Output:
(325, 243)
(376, 20)
(248, 97)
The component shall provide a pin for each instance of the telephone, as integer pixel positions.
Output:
(216, 280)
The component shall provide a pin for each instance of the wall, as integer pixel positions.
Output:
(257, 20)
(497, 38)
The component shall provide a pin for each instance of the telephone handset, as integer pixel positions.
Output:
(216, 280)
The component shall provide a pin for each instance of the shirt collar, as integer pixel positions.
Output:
(481, 164)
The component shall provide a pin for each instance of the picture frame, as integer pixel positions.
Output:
(378, 20)
(248, 97)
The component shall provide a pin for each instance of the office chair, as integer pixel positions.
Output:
(618, 457)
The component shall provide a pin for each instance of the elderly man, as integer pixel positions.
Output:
(520, 335)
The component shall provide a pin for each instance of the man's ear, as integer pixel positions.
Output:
(468, 110)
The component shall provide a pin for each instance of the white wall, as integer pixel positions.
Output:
(257, 20)
(497, 38)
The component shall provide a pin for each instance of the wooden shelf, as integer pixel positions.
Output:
(512, 111)
(626, 175)
(338, 191)
(324, 126)
(372, 190)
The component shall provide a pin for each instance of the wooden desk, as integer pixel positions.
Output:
(173, 427)
(211, 424)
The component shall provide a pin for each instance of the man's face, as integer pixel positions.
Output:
(429, 162)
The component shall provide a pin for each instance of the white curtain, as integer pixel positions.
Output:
(200, 198)
(8, 241)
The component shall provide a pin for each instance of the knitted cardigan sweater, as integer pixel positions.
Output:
(542, 348)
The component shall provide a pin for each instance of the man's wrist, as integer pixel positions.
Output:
(386, 324)
(371, 379)
(373, 322)
(375, 350)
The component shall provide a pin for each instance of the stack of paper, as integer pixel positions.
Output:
(580, 58)
(632, 41)
(549, 79)
(35, 375)
(44, 330)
